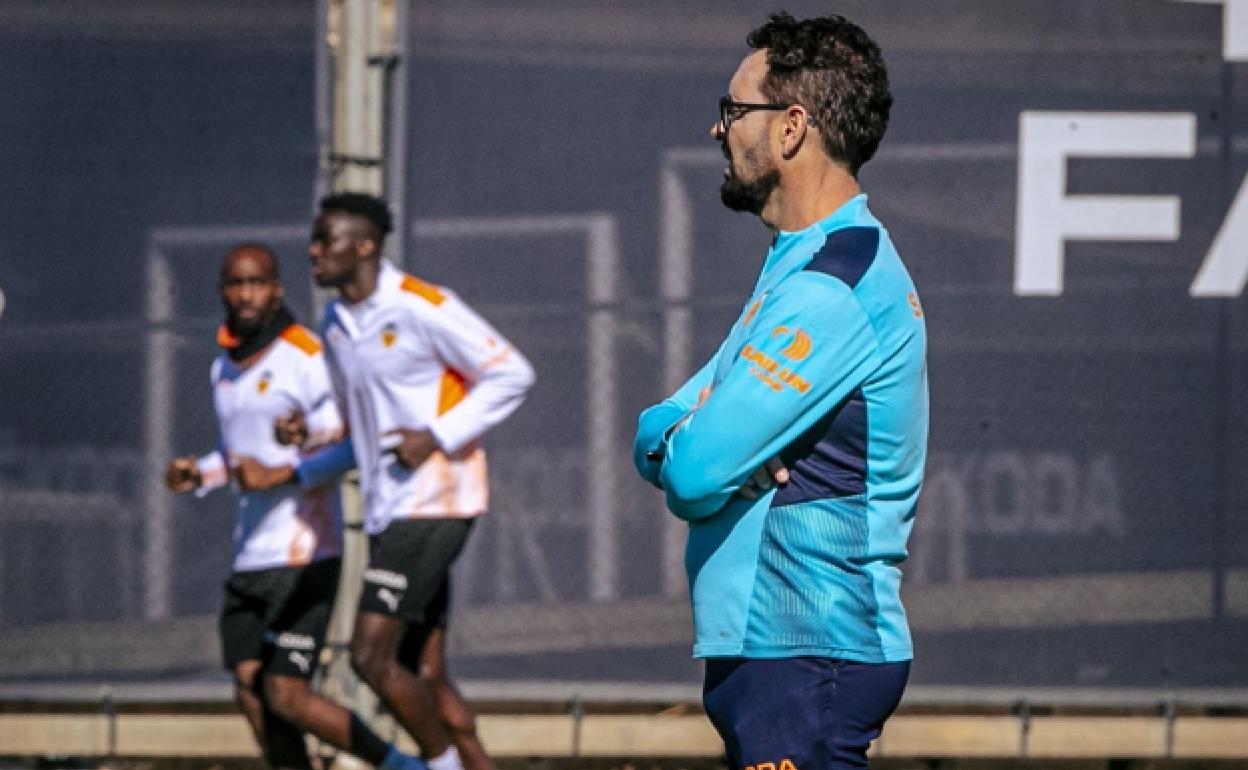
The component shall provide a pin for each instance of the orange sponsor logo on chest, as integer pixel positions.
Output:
(771, 373)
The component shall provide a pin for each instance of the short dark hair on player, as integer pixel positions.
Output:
(829, 66)
(269, 255)
(370, 207)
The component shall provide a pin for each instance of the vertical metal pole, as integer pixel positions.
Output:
(1223, 401)
(601, 402)
(351, 122)
(358, 99)
(675, 280)
(323, 104)
(157, 420)
(109, 706)
(397, 77)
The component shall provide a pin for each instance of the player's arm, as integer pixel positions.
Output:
(779, 385)
(496, 378)
(318, 427)
(197, 474)
(320, 417)
(201, 475)
(655, 422)
(326, 452)
(317, 468)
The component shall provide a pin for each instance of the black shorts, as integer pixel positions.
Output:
(278, 616)
(409, 566)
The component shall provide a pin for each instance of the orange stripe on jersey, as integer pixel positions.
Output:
(452, 391)
(426, 291)
(301, 338)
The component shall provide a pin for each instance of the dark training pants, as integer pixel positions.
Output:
(800, 713)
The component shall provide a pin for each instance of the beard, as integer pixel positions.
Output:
(750, 196)
(245, 327)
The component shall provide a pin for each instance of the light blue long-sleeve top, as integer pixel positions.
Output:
(825, 368)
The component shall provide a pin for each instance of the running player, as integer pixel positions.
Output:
(421, 377)
(288, 538)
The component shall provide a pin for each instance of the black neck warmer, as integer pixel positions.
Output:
(240, 347)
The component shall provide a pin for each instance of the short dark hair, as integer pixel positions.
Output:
(370, 207)
(253, 246)
(829, 66)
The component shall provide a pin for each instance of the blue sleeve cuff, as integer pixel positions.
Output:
(326, 464)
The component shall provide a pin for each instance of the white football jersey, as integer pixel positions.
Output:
(413, 355)
(288, 525)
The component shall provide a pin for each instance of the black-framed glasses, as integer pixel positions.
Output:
(730, 110)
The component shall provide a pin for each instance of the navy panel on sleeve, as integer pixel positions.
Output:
(847, 254)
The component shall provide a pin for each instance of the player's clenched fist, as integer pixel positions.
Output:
(291, 430)
(183, 475)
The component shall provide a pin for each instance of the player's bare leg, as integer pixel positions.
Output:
(280, 741)
(293, 699)
(247, 696)
(374, 655)
(456, 713)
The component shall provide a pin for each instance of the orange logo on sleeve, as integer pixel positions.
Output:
(751, 312)
(799, 348)
(915, 307)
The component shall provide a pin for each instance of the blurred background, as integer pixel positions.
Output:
(1083, 520)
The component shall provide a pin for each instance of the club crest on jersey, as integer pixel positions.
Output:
(389, 335)
(266, 379)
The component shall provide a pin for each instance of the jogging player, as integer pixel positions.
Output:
(288, 538)
(421, 377)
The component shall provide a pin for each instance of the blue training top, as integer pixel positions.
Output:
(826, 368)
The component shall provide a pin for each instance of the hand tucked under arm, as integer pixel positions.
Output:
(771, 474)
(412, 447)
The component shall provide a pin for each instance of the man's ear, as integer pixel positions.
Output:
(366, 247)
(794, 128)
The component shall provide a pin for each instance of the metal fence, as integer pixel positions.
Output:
(1064, 180)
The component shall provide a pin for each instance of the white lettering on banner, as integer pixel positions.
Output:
(1047, 216)
(1234, 27)
(1235, 30)
(1010, 494)
(1, 303)
(1225, 269)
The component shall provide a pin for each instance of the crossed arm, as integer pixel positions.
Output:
(777, 386)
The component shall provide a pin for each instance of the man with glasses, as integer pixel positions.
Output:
(796, 454)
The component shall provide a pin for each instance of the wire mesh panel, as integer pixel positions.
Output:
(1065, 181)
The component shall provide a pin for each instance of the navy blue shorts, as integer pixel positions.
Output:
(800, 713)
